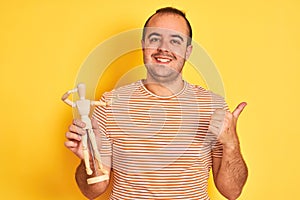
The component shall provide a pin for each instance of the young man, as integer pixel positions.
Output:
(163, 135)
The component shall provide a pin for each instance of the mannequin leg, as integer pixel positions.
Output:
(96, 151)
(86, 155)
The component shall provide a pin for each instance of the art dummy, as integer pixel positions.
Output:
(89, 144)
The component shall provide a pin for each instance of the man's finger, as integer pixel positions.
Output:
(73, 136)
(219, 114)
(71, 144)
(236, 113)
(79, 123)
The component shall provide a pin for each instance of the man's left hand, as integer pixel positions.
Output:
(223, 125)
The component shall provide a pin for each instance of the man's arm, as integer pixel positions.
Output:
(230, 172)
(91, 191)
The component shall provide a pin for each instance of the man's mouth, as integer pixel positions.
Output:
(163, 59)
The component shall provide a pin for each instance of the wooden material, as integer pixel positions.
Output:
(83, 106)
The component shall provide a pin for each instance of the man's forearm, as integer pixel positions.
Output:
(91, 191)
(232, 174)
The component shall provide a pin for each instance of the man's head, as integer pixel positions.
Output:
(174, 11)
(166, 44)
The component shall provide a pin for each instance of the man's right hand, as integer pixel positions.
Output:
(74, 137)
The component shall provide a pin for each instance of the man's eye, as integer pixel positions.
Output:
(154, 39)
(177, 42)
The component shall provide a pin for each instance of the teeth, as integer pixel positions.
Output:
(163, 60)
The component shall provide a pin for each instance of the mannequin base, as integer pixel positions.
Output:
(97, 179)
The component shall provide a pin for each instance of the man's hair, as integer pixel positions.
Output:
(171, 10)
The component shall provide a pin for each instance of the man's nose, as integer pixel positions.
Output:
(163, 46)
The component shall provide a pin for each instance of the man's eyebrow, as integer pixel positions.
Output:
(153, 34)
(174, 35)
(178, 36)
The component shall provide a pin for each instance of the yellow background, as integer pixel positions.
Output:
(255, 45)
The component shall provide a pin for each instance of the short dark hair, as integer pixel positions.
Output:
(171, 10)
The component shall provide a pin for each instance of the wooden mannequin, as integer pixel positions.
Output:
(83, 106)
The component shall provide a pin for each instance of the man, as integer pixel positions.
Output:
(163, 135)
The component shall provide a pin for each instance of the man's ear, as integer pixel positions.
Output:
(143, 44)
(188, 51)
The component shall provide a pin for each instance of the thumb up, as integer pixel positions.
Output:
(223, 124)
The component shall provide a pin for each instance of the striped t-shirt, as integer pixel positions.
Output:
(160, 146)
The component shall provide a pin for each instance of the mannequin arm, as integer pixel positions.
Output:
(99, 103)
(66, 100)
(104, 103)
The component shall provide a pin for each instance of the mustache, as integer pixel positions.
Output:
(162, 54)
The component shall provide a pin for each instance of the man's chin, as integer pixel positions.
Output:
(164, 78)
(160, 65)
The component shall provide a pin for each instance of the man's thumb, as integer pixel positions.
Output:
(95, 124)
(236, 113)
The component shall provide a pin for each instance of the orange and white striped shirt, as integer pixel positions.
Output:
(160, 146)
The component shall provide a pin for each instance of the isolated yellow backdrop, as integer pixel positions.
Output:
(254, 44)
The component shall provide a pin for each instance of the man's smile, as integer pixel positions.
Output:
(164, 59)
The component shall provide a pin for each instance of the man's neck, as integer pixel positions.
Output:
(164, 89)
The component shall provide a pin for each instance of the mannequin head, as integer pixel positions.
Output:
(81, 90)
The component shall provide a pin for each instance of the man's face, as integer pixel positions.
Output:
(165, 47)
